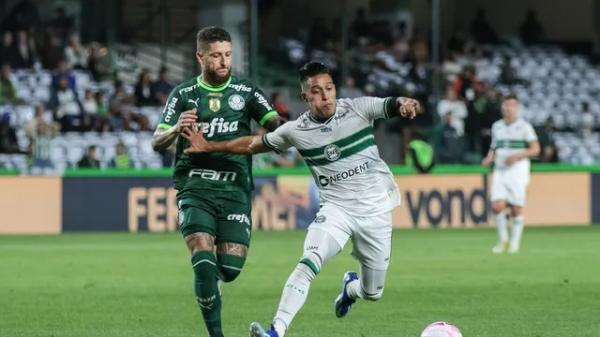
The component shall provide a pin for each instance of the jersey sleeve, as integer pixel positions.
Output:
(494, 142)
(260, 109)
(373, 108)
(279, 140)
(171, 111)
(530, 135)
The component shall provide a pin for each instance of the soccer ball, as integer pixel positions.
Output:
(441, 329)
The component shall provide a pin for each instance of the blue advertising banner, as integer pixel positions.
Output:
(596, 198)
(118, 204)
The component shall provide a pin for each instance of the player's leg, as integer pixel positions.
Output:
(498, 197)
(372, 239)
(326, 237)
(198, 228)
(517, 202)
(516, 212)
(234, 226)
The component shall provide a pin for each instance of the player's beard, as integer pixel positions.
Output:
(213, 78)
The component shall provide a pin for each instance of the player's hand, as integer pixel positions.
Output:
(197, 142)
(513, 159)
(487, 161)
(187, 120)
(408, 107)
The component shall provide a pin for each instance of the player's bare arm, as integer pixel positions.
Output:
(242, 145)
(273, 123)
(532, 151)
(408, 107)
(163, 138)
(489, 158)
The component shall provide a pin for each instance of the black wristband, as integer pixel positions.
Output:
(390, 107)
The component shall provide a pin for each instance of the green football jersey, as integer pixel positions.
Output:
(224, 113)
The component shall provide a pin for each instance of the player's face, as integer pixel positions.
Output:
(216, 62)
(319, 93)
(510, 109)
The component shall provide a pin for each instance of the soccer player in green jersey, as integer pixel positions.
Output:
(214, 188)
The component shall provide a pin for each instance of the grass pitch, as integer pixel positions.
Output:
(125, 285)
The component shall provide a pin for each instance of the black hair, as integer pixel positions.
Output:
(312, 68)
(208, 35)
(511, 95)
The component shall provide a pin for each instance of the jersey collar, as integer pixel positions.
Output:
(213, 88)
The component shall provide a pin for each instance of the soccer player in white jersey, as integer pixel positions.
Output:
(357, 190)
(514, 142)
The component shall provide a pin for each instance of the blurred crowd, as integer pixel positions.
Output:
(68, 86)
(388, 59)
(73, 93)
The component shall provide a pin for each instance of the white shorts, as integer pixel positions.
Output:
(371, 235)
(507, 187)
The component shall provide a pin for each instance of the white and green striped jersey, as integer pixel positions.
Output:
(508, 139)
(342, 155)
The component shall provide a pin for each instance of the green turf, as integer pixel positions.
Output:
(110, 285)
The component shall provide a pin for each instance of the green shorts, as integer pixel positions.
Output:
(226, 215)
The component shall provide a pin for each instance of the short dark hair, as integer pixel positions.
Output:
(508, 96)
(208, 35)
(312, 68)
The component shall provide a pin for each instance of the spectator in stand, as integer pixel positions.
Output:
(464, 84)
(39, 117)
(103, 118)
(143, 89)
(25, 51)
(75, 54)
(8, 93)
(121, 159)
(8, 136)
(457, 108)
(40, 132)
(162, 87)
(121, 110)
(90, 107)
(452, 67)
(8, 51)
(53, 51)
(89, 159)
(488, 108)
(451, 143)
(483, 111)
(531, 29)
(67, 107)
(119, 105)
(280, 106)
(549, 153)
(508, 75)
(482, 30)
(63, 71)
(349, 89)
(99, 62)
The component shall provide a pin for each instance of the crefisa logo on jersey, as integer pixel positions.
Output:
(332, 152)
(236, 102)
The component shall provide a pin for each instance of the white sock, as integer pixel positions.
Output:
(293, 297)
(517, 231)
(501, 227)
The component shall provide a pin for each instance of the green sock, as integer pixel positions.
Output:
(230, 266)
(207, 293)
